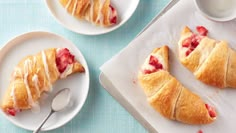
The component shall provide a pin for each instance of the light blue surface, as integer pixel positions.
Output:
(101, 112)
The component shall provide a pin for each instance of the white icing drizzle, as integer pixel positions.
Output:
(13, 96)
(34, 105)
(110, 14)
(68, 4)
(36, 82)
(58, 49)
(17, 72)
(67, 71)
(100, 15)
(74, 7)
(90, 17)
(12, 93)
(28, 66)
(30, 98)
(46, 69)
(35, 60)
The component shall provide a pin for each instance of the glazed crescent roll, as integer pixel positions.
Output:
(98, 12)
(36, 74)
(212, 62)
(168, 96)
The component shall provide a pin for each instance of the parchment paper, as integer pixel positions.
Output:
(122, 70)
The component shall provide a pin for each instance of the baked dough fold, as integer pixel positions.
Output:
(98, 12)
(168, 96)
(211, 61)
(36, 74)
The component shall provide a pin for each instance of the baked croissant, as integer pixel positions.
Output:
(166, 94)
(34, 75)
(212, 62)
(98, 12)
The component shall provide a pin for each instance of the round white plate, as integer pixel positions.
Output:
(125, 8)
(32, 43)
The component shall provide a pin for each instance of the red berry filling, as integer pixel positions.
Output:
(193, 41)
(211, 111)
(188, 52)
(202, 30)
(200, 131)
(63, 58)
(11, 111)
(153, 61)
(113, 18)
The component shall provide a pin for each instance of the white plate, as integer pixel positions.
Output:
(31, 43)
(125, 8)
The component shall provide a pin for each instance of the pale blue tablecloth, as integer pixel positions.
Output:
(101, 113)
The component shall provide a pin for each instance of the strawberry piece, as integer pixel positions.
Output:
(113, 18)
(194, 44)
(199, 38)
(202, 30)
(186, 43)
(200, 131)
(63, 58)
(153, 60)
(191, 48)
(188, 52)
(158, 66)
(211, 111)
(191, 43)
(11, 111)
(147, 71)
(194, 41)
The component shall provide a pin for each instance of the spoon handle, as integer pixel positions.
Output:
(38, 129)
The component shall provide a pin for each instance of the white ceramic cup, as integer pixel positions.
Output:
(217, 10)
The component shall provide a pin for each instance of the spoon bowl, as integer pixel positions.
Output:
(59, 102)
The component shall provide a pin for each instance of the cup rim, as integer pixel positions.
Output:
(219, 19)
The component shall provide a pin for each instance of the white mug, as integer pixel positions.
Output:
(217, 10)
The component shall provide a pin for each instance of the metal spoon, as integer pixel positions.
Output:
(59, 102)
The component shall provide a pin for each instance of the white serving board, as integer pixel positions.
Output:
(119, 74)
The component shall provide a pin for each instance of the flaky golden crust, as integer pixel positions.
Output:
(81, 7)
(165, 99)
(18, 82)
(77, 67)
(186, 30)
(213, 71)
(35, 73)
(191, 109)
(212, 62)
(163, 52)
(154, 81)
(196, 58)
(167, 96)
(89, 10)
(231, 69)
(105, 11)
(151, 83)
